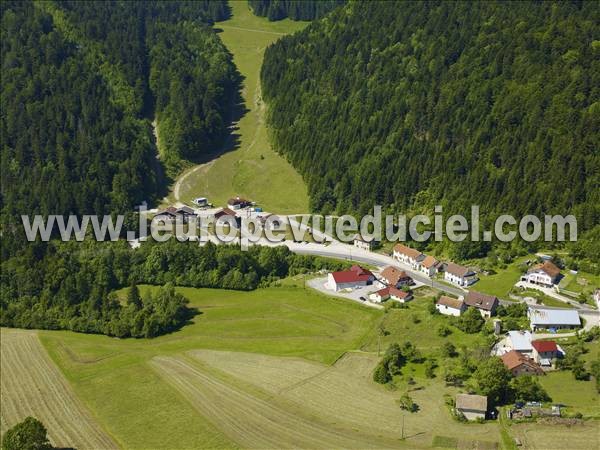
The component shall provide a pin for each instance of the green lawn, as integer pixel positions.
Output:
(114, 379)
(579, 396)
(251, 168)
(500, 283)
(416, 324)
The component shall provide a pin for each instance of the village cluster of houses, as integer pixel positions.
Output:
(522, 355)
(545, 274)
(232, 213)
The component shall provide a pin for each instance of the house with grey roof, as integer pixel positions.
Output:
(473, 407)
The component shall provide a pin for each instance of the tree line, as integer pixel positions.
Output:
(446, 103)
(294, 9)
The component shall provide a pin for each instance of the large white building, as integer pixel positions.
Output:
(545, 318)
(545, 274)
(350, 279)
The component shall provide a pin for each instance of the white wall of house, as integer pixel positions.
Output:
(339, 286)
(429, 272)
(405, 259)
(454, 279)
(448, 311)
(539, 277)
(375, 297)
(471, 414)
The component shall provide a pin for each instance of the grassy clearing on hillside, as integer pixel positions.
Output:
(33, 386)
(251, 169)
(579, 396)
(116, 382)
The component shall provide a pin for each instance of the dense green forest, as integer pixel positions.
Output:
(294, 9)
(81, 82)
(455, 103)
(70, 285)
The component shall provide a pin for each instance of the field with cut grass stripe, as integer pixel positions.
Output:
(31, 385)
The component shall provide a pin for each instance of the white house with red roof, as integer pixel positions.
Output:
(350, 279)
(544, 352)
(391, 293)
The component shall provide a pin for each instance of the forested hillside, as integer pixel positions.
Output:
(81, 82)
(414, 104)
(294, 9)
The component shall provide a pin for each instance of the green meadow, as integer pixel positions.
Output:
(249, 167)
(115, 380)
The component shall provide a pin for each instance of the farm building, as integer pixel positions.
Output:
(450, 306)
(238, 203)
(350, 279)
(520, 341)
(473, 407)
(226, 215)
(519, 364)
(546, 318)
(486, 304)
(392, 293)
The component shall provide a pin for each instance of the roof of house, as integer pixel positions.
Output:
(224, 212)
(514, 359)
(481, 301)
(521, 340)
(544, 346)
(541, 316)
(393, 275)
(458, 270)
(185, 210)
(429, 261)
(350, 276)
(471, 402)
(385, 292)
(450, 302)
(410, 252)
(361, 270)
(170, 211)
(547, 267)
(399, 293)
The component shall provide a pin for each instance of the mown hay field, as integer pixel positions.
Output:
(31, 385)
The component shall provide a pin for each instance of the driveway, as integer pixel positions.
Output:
(320, 284)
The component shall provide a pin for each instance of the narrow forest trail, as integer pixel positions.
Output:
(247, 165)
